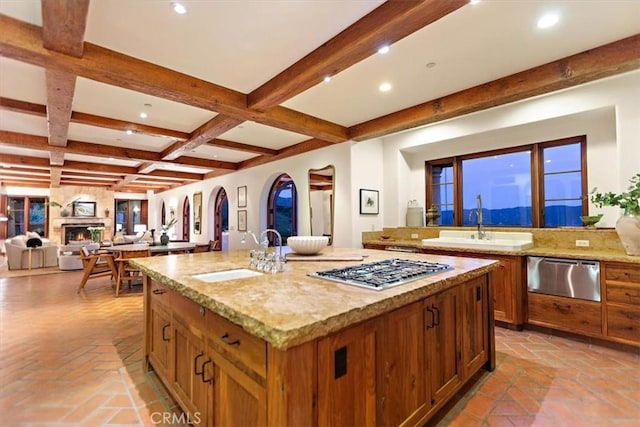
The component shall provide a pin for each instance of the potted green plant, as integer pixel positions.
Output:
(628, 225)
(64, 212)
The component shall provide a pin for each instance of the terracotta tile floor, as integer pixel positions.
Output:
(75, 360)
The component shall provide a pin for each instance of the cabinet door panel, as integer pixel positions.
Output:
(347, 378)
(240, 400)
(442, 342)
(404, 367)
(159, 344)
(474, 330)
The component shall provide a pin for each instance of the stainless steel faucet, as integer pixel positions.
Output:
(261, 259)
(478, 211)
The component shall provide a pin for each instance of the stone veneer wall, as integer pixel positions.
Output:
(104, 200)
(556, 238)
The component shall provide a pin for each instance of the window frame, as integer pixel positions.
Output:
(537, 177)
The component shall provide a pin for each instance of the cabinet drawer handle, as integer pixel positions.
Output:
(437, 311)
(562, 307)
(210, 380)
(164, 328)
(159, 291)
(225, 339)
(195, 364)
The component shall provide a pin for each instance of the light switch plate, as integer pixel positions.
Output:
(414, 235)
(582, 243)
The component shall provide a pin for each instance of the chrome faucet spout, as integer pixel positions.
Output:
(244, 237)
(481, 232)
(265, 241)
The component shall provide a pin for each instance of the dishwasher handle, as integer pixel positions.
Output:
(560, 261)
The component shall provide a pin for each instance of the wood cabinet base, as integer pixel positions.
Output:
(398, 368)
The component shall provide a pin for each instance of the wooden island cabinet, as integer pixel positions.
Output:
(396, 359)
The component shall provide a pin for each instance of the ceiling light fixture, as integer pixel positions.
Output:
(385, 87)
(383, 50)
(179, 8)
(129, 132)
(548, 20)
(327, 79)
(474, 1)
(144, 115)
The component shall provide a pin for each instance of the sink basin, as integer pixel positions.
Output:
(495, 240)
(223, 276)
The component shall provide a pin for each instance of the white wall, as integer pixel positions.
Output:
(258, 181)
(607, 111)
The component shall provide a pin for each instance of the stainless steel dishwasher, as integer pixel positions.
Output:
(571, 278)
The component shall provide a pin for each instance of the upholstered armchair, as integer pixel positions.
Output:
(18, 253)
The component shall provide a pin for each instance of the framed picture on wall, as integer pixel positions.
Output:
(369, 202)
(87, 209)
(242, 220)
(242, 196)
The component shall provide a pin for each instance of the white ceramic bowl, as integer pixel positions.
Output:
(307, 245)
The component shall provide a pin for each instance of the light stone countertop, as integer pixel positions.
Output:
(579, 253)
(289, 308)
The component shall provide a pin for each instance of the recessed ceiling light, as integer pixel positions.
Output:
(179, 8)
(143, 115)
(385, 87)
(129, 132)
(383, 50)
(327, 79)
(474, 1)
(548, 20)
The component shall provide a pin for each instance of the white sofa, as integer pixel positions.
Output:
(18, 253)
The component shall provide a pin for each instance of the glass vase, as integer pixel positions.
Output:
(628, 229)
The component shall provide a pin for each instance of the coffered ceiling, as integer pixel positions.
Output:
(233, 84)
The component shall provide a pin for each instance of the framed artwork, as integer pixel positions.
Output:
(197, 212)
(242, 220)
(369, 202)
(242, 196)
(86, 209)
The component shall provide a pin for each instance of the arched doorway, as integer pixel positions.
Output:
(221, 215)
(186, 223)
(282, 208)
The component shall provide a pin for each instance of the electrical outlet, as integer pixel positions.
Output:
(414, 235)
(582, 243)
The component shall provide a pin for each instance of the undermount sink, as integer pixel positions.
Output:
(223, 276)
(494, 240)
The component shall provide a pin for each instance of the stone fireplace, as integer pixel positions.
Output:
(77, 232)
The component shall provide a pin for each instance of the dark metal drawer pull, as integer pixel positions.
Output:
(163, 329)
(225, 339)
(159, 291)
(195, 364)
(210, 380)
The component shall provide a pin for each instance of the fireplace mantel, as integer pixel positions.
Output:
(58, 222)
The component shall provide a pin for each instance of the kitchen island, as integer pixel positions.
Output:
(288, 349)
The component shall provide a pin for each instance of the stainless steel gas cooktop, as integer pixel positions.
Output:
(382, 274)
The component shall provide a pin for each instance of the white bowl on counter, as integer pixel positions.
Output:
(307, 245)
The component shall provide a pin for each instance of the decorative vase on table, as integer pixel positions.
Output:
(164, 239)
(628, 229)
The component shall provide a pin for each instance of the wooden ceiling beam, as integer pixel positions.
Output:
(604, 61)
(56, 158)
(63, 27)
(388, 23)
(64, 24)
(302, 147)
(114, 124)
(91, 120)
(35, 142)
(126, 180)
(208, 131)
(55, 175)
(254, 149)
(11, 183)
(21, 41)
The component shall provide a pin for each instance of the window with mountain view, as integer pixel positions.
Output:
(537, 185)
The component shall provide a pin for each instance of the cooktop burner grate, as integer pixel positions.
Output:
(383, 274)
